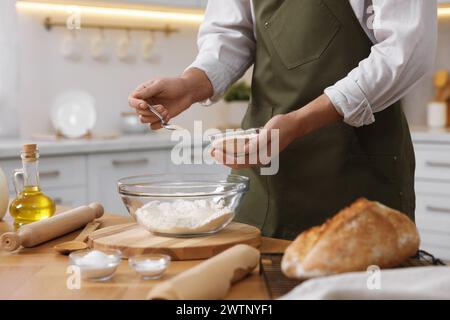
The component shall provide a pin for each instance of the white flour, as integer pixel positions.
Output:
(183, 216)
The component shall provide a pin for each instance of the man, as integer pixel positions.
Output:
(328, 74)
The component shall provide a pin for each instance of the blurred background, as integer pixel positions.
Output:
(38, 65)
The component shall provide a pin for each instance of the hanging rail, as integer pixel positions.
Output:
(167, 29)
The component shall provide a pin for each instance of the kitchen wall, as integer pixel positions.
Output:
(416, 101)
(8, 69)
(45, 73)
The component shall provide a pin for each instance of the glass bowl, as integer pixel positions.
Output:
(183, 205)
(96, 265)
(150, 266)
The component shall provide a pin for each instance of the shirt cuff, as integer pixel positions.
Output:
(351, 103)
(220, 75)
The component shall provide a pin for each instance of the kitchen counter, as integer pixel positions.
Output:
(40, 273)
(427, 135)
(10, 148)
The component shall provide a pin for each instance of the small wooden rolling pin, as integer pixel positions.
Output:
(60, 224)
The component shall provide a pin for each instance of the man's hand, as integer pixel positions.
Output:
(279, 132)
(289, 127)
(170, 96)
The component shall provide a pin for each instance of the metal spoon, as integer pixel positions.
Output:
(164, 124)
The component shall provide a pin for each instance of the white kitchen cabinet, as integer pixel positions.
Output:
(433, 162)
(68, 197)
(433, 197)
(104, 170)
(62, 178)
(60, 172)
(433, 209)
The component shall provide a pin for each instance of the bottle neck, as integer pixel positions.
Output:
(30, 173)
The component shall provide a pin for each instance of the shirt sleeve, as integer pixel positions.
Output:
(226, 43)
(405, 32)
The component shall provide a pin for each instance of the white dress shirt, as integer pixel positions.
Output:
(404, 36)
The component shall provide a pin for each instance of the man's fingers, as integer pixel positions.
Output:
(149, 119)
(258, 143)
(252, 145)
(152, 123)
(147, 91)
(156, 125)
(143, 86)
(137, 104)
(159, 108)
(230, 160)
(222, 157)
(147, 116)
(162, 111)
(134, 103)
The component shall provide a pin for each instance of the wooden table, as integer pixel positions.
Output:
(40, 273)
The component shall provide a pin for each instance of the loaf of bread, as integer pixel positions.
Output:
(366, 233)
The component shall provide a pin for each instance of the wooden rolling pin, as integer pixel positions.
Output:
(60, 224)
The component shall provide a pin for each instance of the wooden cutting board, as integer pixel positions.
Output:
(132, 239)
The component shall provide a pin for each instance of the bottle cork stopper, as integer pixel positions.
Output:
(29, 152)
(29, 148)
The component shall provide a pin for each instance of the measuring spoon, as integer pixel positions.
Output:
(164, 124)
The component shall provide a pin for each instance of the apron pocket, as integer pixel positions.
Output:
(316, 27)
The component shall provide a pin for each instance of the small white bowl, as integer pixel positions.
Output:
(96, 265)
(234, 142)
(150, 266)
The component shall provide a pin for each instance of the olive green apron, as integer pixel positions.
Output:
(304, 46)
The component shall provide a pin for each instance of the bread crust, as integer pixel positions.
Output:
(364, 234)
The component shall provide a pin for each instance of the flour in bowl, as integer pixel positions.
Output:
(183, 216)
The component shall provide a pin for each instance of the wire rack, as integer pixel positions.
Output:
(278, 285)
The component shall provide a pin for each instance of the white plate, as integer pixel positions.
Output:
(73, 113)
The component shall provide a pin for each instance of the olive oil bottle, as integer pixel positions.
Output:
(31, 203)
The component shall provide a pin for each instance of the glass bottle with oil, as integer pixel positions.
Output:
(31, 203)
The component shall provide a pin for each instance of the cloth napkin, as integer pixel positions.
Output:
(392, 284)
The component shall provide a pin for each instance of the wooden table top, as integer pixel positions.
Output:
(40, 273)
